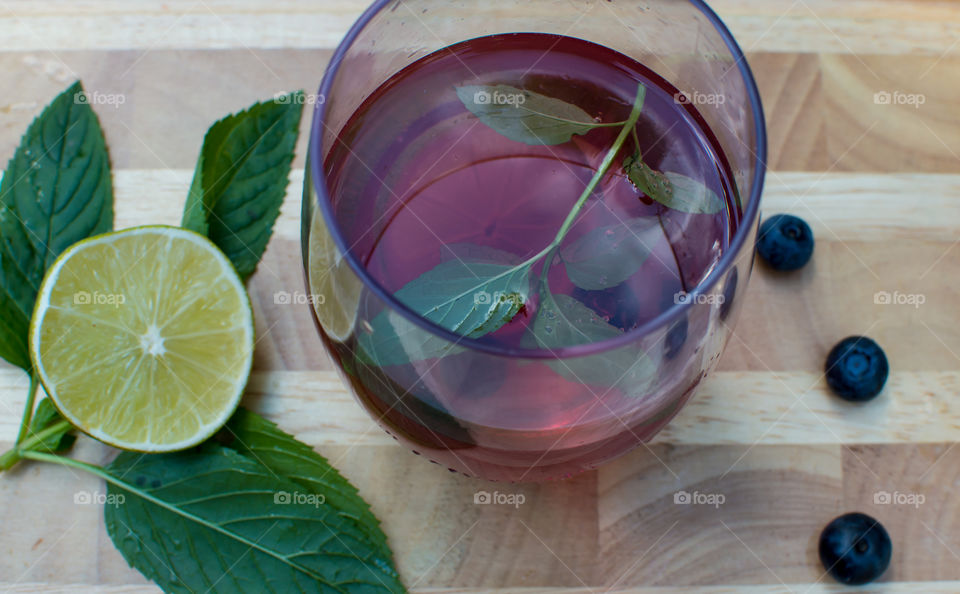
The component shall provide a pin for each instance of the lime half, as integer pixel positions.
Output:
(143, 338)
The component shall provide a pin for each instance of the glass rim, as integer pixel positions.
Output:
(668, 316)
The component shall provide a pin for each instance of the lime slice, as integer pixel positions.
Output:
(334, 286)
(144, 338)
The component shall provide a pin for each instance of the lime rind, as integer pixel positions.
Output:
(110, 369)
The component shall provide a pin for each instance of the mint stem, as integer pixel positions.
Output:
(628, 128)
(11, 457)
(28, 409)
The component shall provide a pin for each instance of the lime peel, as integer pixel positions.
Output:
(143, 338)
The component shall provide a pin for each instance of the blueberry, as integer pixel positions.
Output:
(857, 369)
(855, 549)
(785, 242)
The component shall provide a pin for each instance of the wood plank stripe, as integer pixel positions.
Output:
(851, 27)
(869, 207)
(823, 110)
(731, 408)
(839, 206)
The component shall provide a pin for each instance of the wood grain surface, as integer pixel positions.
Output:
(880, 185)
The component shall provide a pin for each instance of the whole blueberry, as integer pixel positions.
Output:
(855, 549)
(857, 369)
(785, 242)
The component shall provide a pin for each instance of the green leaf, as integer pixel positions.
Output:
(45, 416)
(605, 257)
(469, 298)
(672, 190)
(525, 116)
(278, 452)
(14, 326)
(562, 321)
(213, 520)
(56, 190)
(241, 179)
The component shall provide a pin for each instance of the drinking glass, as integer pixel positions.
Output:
(502, 412)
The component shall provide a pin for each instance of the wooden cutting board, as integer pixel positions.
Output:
(880, 184)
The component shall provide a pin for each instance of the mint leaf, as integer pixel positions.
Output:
(45, 416)
(393, 340)
(14, 323)
(607, 256)
(469, 298)
(672, 190)
(562, 321)
(213, 520)
(241, 179)
(56, 190)
(525, 116)
(278, 452)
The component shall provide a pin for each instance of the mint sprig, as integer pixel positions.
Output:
(601, 259)
(479, 297)
(236, 524)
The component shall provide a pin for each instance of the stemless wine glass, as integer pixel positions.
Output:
(482, 408)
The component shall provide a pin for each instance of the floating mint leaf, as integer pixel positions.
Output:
(468, 298)
(562, 321)
(605, 257)
(672, 190)
(213, 520)
(56, 191)
(241, 179)
(394, 340)
(525, 116)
